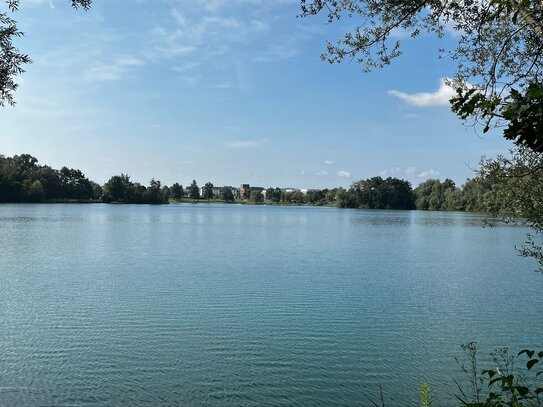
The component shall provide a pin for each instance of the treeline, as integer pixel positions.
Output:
(22, 179)
(479, 194)
(312, 197)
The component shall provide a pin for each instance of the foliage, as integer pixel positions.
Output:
(257, 196)
(434, 195)
(22, 179)
(379, 193)
(498, 52)
(11, 59)
(501, 385)
(517, 185)
(120, 189)
(208, 191)
(176, 191)
(194, 191)
(227, 194)
(273, 194)
(426, 398)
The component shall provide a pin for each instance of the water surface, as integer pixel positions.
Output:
(227, 305)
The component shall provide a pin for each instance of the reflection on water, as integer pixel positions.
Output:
(232, 305)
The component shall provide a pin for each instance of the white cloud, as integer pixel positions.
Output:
(344, 174)
(243, 144)
(428, 174)
(302, 172)
(322, 172)
(221, 85)
(113, 71)
(328, 162)
(389, 172)
(440, 97)
(412, 172)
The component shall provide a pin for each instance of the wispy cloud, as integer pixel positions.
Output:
(439, 97)
(390, 172)
(243, 143)
(322, 172)
(344, 174)
(222, 85)
(410, 172)
(113, 71)
(328, 162)
(428, 174)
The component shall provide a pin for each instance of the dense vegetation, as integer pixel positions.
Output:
(22, 179)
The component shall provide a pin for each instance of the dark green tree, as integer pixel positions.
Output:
(208, 191)
(176, 191)
(194, 191)
(166, 192)
(36, 192)
(273, 195)
(227, 194)
(153, 193)
(117, 189)
(257, 196)
(378, 193)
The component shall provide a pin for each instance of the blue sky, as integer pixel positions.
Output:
(228, 91)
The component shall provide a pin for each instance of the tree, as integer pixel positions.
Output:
(227, 194)
(499, 75)
(11, 59)
(208, 191)
(176, 191)
(36, 192)
(378, 193)
(273, 194)
(257, 196)
(435, 195)
(153, 193)
(194, 191)
(117, 189)
(166, 192)
(517, 185)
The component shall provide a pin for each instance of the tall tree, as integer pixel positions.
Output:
(194, 191)
(227, 194)
(12, 60)
(257, 196)
(176, 191)
(208, 191)
(499, 75)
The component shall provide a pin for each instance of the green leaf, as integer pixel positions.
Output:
(529, 352)
(531, 363)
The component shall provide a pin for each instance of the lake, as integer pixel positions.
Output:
(229, 305)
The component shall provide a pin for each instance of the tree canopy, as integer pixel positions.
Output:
(12, 61)
(498, 53)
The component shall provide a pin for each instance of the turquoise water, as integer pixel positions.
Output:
(227, 305)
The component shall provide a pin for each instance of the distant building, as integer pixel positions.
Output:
(215, 190)
(290, 190)
(244, 191)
